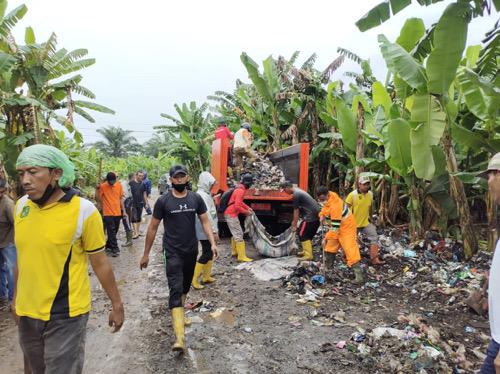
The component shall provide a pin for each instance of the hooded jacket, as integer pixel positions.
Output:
(205, 182)
(338, 216)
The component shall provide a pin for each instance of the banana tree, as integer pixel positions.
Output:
(192, 133)
(383, 11)
(431, 116)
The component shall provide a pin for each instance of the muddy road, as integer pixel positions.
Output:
(244, 326)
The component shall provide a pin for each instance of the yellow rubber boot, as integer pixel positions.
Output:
(308, 251)
(198, 270)
(187, 320)
(240, 249)
(207, 273)
(178, 323)
(233, 248)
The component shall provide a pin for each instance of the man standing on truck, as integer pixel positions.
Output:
(303, 205)
(341, 226)
(360, 202)
(243, 146)
(222, 131)
(235, 207)
(178, 210)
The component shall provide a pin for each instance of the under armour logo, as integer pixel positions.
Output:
(185, 206)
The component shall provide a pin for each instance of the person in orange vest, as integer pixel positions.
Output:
(360, 202)
(342, 231)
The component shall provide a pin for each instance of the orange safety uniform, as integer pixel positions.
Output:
(342, 228)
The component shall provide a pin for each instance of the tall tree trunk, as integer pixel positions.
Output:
(382, 211)
(416, 227)
(36, 125)
(393, 201)
(277, 133)
(458, 194)
(360, 144)
(491, 211)
(314, 143)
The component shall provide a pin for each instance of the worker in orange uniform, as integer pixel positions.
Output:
(342, 232)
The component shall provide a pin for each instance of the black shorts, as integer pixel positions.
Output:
(137, 213)
(307, 230)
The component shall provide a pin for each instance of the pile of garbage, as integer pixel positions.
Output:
(407, 346)
(305, 278)
(267, 176)
(430, 276)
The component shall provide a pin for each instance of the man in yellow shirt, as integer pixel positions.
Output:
(56, 233)
(360, 202)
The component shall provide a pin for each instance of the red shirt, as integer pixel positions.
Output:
(223, 133)
(236, 205)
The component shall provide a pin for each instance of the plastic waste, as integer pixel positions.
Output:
(409, 253)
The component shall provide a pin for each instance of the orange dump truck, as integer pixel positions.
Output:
(273, 207)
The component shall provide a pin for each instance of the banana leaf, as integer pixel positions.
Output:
(450, 36)
(428, 124)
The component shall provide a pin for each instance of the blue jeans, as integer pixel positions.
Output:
(9, 258)
(491, 353)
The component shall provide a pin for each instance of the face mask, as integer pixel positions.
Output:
(46, 195)
(112, 182)
(247, 185)
(179, 187)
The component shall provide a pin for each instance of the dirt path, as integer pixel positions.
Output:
(258, 326)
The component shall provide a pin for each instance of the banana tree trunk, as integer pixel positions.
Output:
(491, 211)
(458, 195)
(277, 133)
(383, 208)
(415, 210)
(393, 201)
(314, 143)
(360, 144)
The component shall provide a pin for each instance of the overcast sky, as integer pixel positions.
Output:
(152, 54)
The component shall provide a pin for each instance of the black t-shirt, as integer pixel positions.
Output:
(179, 219)
(308, 207)
(137, 189)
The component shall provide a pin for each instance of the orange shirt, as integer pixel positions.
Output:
(111, 196)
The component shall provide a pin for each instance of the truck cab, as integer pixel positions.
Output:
(273, 206)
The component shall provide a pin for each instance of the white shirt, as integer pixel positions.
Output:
(494, 295)
(242, 139)
(127, 192)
